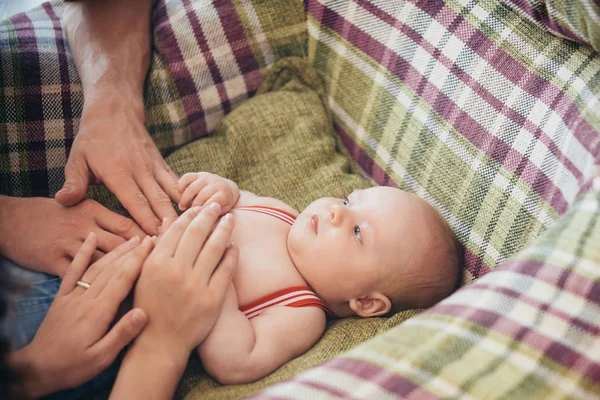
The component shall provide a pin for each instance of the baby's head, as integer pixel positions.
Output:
(380, 249)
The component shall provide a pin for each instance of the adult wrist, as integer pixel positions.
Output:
(110, 100)
(9, 207)
(32, 379)
(168, 352)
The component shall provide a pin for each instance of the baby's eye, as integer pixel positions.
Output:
(357, 233)
(346, 202)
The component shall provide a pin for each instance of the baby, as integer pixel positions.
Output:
(379, 250)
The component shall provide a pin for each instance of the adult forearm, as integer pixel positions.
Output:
(110, 43)
(7, 205)
(151, 370)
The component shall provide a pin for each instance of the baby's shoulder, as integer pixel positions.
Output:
(250, 199)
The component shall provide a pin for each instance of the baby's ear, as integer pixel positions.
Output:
(375, 304)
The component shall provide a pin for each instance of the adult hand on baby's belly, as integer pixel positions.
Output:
(184, 280)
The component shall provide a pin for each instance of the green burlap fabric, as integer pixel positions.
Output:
(281, 144)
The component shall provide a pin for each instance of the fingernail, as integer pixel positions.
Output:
(89, 236)
(215, 206)
(197, 209)
(134, 239)
(159, 229)
(146, 241)
(182, 207)
(227, 218)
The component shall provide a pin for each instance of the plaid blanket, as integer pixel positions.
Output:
(42, 97)
(494, 119)
(487, 109)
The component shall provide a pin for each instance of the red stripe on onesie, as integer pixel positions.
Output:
(272, 211)
(295, 296)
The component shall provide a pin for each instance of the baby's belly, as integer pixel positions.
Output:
(264, 263)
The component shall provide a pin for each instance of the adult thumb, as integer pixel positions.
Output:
(77, 177)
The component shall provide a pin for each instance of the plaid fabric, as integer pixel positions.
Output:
(494, 120)
(533, 332)
(489, 117)
(209, 57)
(575, 20)
(477, 106)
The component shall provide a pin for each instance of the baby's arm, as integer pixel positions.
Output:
(239, 350)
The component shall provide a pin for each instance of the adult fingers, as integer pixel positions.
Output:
(97, 256)
(195, 236)
(117, 285)
(120, 250)
(191, 192)
(167, 180)
(213, 250)
(220, 279)
(77, 177)
(104, 261)
(171, 236)
(99, 274)
(124, 331)
(78, 266)
(166, 223)
(159, 200)
(218, 197)
(108, 241)
(117, 224)
(129, 194)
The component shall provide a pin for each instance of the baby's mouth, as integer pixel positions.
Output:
(314, 223)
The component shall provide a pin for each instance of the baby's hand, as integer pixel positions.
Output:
(203, 188)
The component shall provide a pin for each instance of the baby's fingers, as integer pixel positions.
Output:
(185, 180)
(190, 193)
(208, 192)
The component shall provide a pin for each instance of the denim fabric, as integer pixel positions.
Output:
(27, 313)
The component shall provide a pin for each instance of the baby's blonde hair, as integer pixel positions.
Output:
(437, 272)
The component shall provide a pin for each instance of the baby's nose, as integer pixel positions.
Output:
(337, 212)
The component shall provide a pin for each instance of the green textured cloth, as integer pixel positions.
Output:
(280, 144)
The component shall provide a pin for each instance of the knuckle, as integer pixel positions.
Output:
(102, 359)
(174, 277)
(213, 249)
(124, 225)
(139, 199)
(211, 212)
(146, 169)
(161, 198)
(76, 222)
(89, 205)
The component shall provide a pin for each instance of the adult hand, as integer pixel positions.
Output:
(113, 148)
(184, 280)
(40, 234)
(74, 342)
(181, 289)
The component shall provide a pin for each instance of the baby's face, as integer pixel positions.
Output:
(344, 247)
